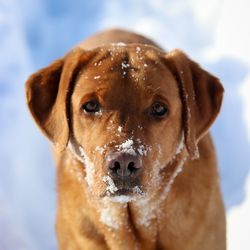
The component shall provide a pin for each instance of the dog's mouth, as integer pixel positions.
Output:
(125, 195)
(123, 191)
(128, 191)
(120, 190)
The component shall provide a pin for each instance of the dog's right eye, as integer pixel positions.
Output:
(91, 107)
(158, 110)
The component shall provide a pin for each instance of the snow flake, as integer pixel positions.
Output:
(111, 187)
(127, 147)
(121, 44)
(89, 167)
(119, 129)
(125, 65)
(100, 149)
(138, 49)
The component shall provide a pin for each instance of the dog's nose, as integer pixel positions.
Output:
(123, 165)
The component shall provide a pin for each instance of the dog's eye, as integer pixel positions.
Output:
(158, 110)
(91, 107)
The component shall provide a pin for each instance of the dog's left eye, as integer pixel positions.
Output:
(158, 110)
(91, 107)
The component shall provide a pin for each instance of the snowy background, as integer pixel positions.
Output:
(34, 32)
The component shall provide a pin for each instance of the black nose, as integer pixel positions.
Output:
(123, 165)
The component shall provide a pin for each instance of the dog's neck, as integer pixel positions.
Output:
(141, 219)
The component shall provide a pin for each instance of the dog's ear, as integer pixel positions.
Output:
(48, 91)
(201, 95)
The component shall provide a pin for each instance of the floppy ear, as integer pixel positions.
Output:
(47, 94)
(201, 95)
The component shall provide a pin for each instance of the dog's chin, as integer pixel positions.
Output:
(125, 195)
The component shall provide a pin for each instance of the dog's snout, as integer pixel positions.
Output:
(123, 165)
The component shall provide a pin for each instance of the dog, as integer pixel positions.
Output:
(136, 166)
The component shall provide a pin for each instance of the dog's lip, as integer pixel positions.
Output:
(119, 192)
(123, 191)
(136, 190)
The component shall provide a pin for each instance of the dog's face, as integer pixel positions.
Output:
(124, 111)
(126, 119)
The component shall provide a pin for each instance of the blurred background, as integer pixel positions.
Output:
(35, 32)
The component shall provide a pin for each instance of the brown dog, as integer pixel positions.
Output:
(125, 118)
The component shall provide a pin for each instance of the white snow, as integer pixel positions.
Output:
(89, 167)
(120, 44)
(143, 150)
(125, 65)
(119, 129)
(137, 190)
(239, 224)
(126, 147)
(244, 91)
(122, 198)
(111, 188)
(178, 170)
(138, 49)
(146, 210)
(108, 218)
(110, 213)
(129, 147)
(181, 144)
(100, 149)
(71, 148)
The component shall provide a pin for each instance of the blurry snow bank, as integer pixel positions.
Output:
(239, 224)
(233, 39)
(26, 172)
(13, 237)
(34, 32)
(245, 93)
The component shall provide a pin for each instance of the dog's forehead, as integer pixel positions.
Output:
(135, 66)
(127, 60)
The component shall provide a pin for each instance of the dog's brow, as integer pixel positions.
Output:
(154, 91)
(99, 94)
(158, 96)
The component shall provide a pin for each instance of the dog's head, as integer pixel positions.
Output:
(124, 111)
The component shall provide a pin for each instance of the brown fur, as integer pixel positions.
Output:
(188, 214)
